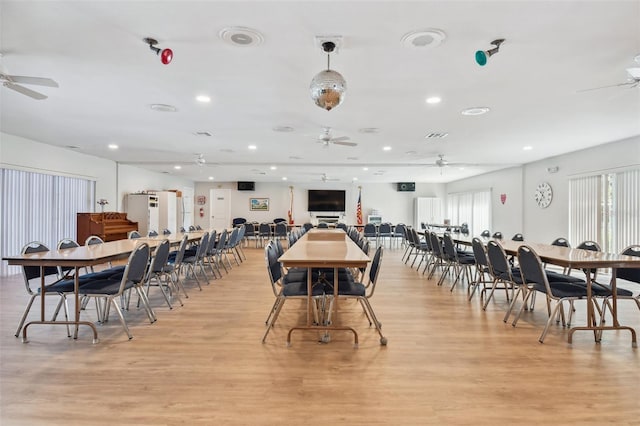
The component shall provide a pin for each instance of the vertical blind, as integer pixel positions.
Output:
(39, 207)
(472, 208)
(605, 208)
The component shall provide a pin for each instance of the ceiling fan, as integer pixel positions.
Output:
(14, 82)
(633, 80)
(324, 178)
(325, 138)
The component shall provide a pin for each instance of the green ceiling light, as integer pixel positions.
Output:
(483, 55)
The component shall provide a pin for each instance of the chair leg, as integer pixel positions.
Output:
(122, 320)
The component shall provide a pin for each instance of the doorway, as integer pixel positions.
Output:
(219, 209)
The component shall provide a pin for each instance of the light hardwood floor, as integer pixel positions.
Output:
(447, 362)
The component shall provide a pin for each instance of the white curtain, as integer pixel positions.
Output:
(586, 211)
(626, 210)
(472, 208)
(39, 207)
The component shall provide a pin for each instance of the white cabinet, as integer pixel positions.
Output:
(168, 211)
(144, 209)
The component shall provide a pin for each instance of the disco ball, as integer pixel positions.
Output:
(328, 89)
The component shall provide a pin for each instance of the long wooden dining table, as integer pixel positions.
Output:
(324, 248)
(574, 258)
(82, 256)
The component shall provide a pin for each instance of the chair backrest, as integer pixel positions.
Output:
(241, 230)
(279, 248)
(323, 225)
(232, 241)
(497, 235)
(342, 226)
(211, 245)
(464, 228)
(273, 266)
(31, 272)
(292, 239)
(181, 249)
(384, 228)
(136, 269)
(160, 256)
(281, 229)
(400, 230)
(562, 242)
(182, 229)
(201, 251)
(497, 258)
(249, 230)
(517, 237)
(166, 231)
(134, 235)
(370, 230)
(591, 246)
(486, 233)
(531, 268)
(192, 228)
(449, 247)
(66, 243)
(238, 221)
(630, 274)
(198, 228)
(374, 271)
(436, 245)
(279, 220)
(222, 241)
(307, 226)
(264, 230)
(93, 239)
(152, 233)
(478, 252)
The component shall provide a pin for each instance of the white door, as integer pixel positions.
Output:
(220, 209)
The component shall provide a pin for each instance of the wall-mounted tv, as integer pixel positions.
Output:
(326, 200)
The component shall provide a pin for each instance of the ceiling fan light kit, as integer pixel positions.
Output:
(328, 87)
(166, 55)
(483, 55)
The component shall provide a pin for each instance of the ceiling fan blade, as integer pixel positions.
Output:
(344, 143)
(38, 81)
(341, 139)
(628, 83)
(31, 93)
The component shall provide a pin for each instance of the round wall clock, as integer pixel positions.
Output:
(543, 195)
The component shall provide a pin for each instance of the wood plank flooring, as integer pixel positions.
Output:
(447, 362)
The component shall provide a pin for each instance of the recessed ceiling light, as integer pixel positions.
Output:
(386, 148)
(365, 168)
(210, 177)
(284, 178)
(163, 108)
(112, 146)
(294, 157)
(355, 178)
(203, 98)
(252, 147)
(527, 148)
(434, 100)
(273, 168)
(284, 129)
(241, 36)
(228, 150)
(475, 111)
(177, 167)
(423, 39)
(411, 152)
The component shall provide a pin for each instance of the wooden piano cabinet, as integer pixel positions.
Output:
(109, 226)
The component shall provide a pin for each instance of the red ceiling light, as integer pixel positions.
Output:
(166, 55)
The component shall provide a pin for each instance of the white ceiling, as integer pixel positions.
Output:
(108, 78)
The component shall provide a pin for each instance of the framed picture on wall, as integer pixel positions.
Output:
(259, 204)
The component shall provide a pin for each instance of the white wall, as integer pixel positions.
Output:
(394, 206)
(520, 212)
(113, 181)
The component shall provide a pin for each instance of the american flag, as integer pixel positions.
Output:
(359, 208)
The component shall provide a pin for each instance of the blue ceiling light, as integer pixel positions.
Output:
(483, 55)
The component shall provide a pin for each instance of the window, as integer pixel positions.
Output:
(605, 208)
(473, 208)
(39, 207)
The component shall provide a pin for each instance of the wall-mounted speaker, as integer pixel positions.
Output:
(406, 186)
(246, 186)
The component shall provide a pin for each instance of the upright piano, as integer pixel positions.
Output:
(109, 226)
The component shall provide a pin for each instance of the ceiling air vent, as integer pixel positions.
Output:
(203, 133)
(436, 135)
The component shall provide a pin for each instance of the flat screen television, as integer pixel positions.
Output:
(326, 200)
